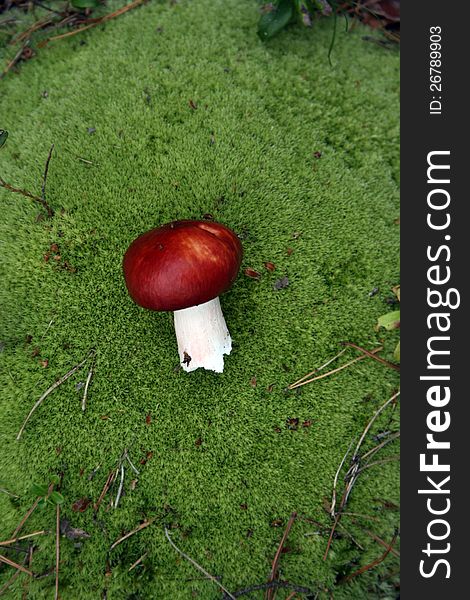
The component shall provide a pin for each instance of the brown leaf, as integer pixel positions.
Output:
(198, 442)
(54, 248)
(292, 423)
(148, 419)
(253, 382)
(252, 273)
(307, 423)
(270, 266)
(289, 251)
(244, 506)
(81, 505)
(192, 104)
(277, 523)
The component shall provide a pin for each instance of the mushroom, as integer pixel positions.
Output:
(183, 267)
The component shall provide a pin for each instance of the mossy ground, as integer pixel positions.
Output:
(224, 465)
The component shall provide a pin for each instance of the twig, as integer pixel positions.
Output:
(320, 368)
(392, 458)
(11, 64)
(50, 211)
(293, 386)
(137, 562)
(87, 383)
(374, 563)
(103, 19)
(25, 518)
(23, 537)
(26, 34)
(371, 355)
(128, 535)
(381, 445)
(195, 564)
(369, 425)
(335, 482)
(57, 552)
(55, 385)
(106, 487)
(121, 483)
(7, 561)
(273, 574)
(10, 188)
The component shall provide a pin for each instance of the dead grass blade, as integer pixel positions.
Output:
(272, 576)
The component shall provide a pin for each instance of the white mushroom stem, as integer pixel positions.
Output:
(202, 336)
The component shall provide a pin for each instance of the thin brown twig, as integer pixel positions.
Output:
(55, 385)
(374, 563)
(27, 33)
(275, 563)
(372, 355)
(392, 458)
(25, 518)
(375, 449)
(137, 562)
(23, 537)
(109, 481)
(10, 188)
(136, 530)
(348, 364)
(57, 552)
(7, 561)
(103, 19)
(9, 66)
(317, 369)
(195, 564)
(50, 211)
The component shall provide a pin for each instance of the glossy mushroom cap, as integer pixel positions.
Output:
(181, 264)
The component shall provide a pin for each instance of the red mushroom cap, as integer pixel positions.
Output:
(181, 264)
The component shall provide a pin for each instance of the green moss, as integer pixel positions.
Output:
(245, 155)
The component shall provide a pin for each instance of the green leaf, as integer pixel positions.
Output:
(3, 137)
(42, 503)
(390, 320)
(85, 3)
(56, 498)
(55, 479)
(396, 354)
(273, 21)
(39, 489)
